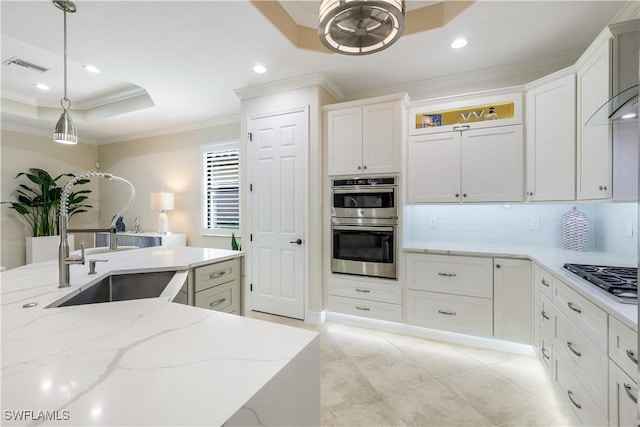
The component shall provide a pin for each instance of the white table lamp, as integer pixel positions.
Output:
(162, 202)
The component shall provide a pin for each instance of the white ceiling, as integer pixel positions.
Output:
(176, 64)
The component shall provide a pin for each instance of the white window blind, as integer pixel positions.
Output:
(222, 187)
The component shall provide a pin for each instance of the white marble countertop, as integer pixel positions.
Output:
(139, 362)
(552, 260)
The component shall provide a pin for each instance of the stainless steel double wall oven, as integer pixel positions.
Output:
(364, 225)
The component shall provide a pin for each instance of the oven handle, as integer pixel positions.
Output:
(364, 190)
(361, 228)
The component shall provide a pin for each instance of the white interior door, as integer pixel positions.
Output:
(277, 150)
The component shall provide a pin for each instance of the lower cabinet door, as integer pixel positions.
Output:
(225, 297)
(454, 313)
(579, 400)
(365, 308)
(623, 398)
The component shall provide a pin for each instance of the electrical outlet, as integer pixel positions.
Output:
(628, 228)
(534, 223)
(433, 222)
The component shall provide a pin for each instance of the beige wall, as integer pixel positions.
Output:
(162, 163)
(18, 153)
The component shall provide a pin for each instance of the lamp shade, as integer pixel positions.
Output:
(162, 201)
(65, 132)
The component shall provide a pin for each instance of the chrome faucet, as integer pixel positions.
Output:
(64, 260)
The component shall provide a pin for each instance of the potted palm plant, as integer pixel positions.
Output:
(38, 203)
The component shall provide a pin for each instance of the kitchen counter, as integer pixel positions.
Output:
(147, 361)
(552, 260)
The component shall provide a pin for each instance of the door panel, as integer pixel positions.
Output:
(277, 152)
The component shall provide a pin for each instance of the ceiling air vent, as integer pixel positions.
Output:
(25, 64)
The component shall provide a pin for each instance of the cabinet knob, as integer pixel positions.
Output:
(359, 168)
(498, 266)
(603, 188)
(457, 195)
(464, 194)
(364, 167)
(529, 193)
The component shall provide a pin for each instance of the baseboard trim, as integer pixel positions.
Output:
(417, 331)
(316, 317)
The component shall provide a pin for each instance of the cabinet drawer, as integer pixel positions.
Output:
(589, 318)
(215, 274)
(372, 291)
(458, 275)
(225, 297)
(364, 308)
(588, 362)
(544, 282)
(623, 346)
(623, 397)
(579, 400)
(546, 353)
(547, 316)
(455, 313)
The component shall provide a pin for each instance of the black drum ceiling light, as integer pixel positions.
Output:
(65, 132)
(360, 27)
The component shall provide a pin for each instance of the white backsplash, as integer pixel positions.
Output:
(512, 225)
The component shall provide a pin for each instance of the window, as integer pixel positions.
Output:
(221, 180)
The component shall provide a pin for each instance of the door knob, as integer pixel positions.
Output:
(297, 242)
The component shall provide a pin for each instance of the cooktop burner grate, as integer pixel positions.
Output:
(621, 283)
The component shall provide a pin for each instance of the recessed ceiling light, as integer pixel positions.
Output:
(91, 69)
(458, 43)
(41, 86)
(629, 116)
(259, 68)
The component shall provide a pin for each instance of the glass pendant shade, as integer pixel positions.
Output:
(360, 27)
(65, 132)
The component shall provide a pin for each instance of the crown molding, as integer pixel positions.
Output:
(270, 88)
(29, 130)
(630, 10)
(220, 121)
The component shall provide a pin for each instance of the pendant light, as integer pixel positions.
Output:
(360, 27)
(65, 131)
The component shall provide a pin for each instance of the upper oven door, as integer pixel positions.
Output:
(367, 202)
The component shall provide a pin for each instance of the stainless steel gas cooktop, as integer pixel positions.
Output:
(620, 283)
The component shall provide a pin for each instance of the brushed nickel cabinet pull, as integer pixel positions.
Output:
(545, 315)
(573, 350)
(544, 353)
(447, 274)
(544, 282)
(364, 291)
(632, 355)
(448, 313)
(218, 302)
(363, 308)
(573, 307)
(576, 404)
(217, 274)
(628, 388)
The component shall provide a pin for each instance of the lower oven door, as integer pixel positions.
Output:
(364, 250)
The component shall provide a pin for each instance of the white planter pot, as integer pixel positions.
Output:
(44, 248)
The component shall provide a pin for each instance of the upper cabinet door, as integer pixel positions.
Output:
(594, 142)
(551, 140)
(382, 131)
(433, 168)
(492, 164)
(345, 141)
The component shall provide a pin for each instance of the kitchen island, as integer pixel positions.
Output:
(148, 361)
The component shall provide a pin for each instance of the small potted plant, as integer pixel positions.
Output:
(39, 206)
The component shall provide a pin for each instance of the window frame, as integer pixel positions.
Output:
(204, 150)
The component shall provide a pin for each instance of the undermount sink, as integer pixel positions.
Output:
(120, 287)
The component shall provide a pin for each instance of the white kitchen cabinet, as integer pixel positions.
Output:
(476, 165)
(216, 286)
(512, 300)
(594, 153)
(623, 397)
(365, 297)
(551, 139)
(365, 139)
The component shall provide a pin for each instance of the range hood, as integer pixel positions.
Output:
(622, 107)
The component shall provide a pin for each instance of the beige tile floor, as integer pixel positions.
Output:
(375, 378)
